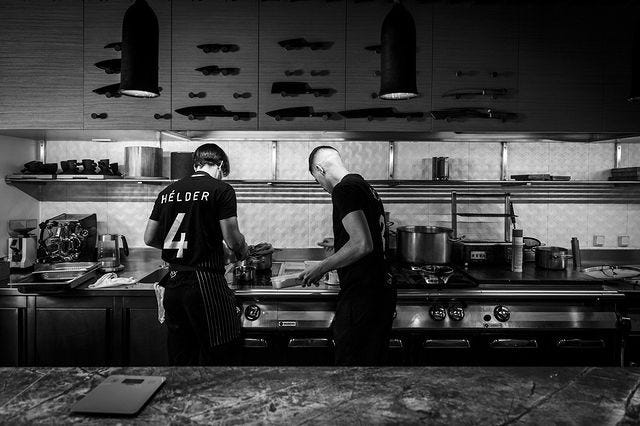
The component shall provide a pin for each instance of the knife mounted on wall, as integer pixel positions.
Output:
(290, 88)
(218, 47)
(301, 43)
(381, 113)
(460, 114)
(472, 93)
(303, 112)
(110, 66)
(200, 112)
(110, 91)
(216, 70)
(117, 46)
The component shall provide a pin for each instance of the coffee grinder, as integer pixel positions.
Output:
(21, 246)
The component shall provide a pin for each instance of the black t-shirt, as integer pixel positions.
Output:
(351, 194)
(188, 212)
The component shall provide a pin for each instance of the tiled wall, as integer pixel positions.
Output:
(302, 225)
(14, 204)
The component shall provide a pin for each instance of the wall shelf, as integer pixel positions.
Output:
(391, 191)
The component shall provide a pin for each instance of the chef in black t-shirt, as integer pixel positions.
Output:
(189, 221)
(366, 302)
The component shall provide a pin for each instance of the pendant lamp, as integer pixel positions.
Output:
(139, 67)
(398, 55)
(634, 96)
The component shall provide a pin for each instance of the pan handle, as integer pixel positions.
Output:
(456, 239)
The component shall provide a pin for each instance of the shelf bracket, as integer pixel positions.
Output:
(391, 159)
(274, 160)
(617, 160)
(504, 160)
(41, 150)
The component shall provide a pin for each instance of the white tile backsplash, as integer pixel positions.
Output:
(303, 225)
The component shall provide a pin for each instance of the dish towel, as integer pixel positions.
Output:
(160, 297)
(111, 280)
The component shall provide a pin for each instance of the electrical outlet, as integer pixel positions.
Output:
(598, 240)
(478, 255)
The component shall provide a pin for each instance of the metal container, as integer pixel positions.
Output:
(261, 262)
(550, 257)
(143, 162)
(424, 245)
(181, 165)
(244, 273)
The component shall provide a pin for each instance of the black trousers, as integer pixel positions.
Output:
(362, 327)
(188, 334)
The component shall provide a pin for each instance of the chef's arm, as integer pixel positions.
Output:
(233, 237)
(150, 234)
(358, 246)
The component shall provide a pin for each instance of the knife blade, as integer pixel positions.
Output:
(292, 88)
(462, 93)
(110, 66)
(383, 112)
(199, 112)
(110, 91)
(305, 111)
(117, 46)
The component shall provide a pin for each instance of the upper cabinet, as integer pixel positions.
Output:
(40, 64)
(102, 35)
(561, 66)
(215, 65)
(302, 64)
(364, 23)
(475, 66)
(620, 115)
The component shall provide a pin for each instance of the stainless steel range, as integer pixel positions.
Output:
(445, 319)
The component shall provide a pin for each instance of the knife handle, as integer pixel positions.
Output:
(166, 116)
(197, 95)
(100, 116)
(374, 95)
(244, 95)
(289, 73)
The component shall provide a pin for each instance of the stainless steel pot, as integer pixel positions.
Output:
(550, 257)
(244, 273)
(424, 245)
(143, 161)
(261, 262)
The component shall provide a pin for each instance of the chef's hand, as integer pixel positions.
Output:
(311, 275)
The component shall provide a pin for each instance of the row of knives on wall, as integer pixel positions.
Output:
(293, 89)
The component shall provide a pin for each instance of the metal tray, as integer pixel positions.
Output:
(36, 283)
(64, 271)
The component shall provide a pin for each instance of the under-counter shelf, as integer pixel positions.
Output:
(391, 191)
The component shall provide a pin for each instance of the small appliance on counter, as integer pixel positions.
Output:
(68, 238)
(21, 246)
(109, 255)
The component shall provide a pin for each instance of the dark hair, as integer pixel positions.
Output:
(211, 154)
(314, 152)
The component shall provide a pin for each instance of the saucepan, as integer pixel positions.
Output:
(551, 257)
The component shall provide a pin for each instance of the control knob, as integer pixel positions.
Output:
(456, 312)
(438, 312)
(501, 313)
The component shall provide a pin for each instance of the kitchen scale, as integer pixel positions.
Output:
(119, 395)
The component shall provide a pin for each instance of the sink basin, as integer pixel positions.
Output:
(155, 276)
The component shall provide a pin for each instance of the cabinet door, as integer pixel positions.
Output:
(364, 23)
(74, 331)
(102, 26)
(560, 66)
(12, 331)
(40, 64)
(620, 115)
(475, 48)
(215, 22)
(145, 340)
(315, 21)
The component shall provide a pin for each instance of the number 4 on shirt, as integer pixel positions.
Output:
(180, 245)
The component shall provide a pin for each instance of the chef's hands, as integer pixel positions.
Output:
(311, 275)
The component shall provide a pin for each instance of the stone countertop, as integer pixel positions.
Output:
(331, 395)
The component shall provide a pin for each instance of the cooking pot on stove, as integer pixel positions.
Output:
(550, 257)
(424, 244)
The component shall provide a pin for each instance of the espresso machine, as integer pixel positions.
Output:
(21, 246)
(68, 238)
(109, 255)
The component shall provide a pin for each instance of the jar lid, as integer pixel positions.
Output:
(517, 232)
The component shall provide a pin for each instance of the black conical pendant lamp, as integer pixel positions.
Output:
(398, 55)
(139, 67)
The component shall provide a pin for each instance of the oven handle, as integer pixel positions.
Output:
(308, 343)
(513, 343)
(570, 343)
(250, 342)
(446, 344)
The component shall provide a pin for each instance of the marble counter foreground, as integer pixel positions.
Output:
(312, 395)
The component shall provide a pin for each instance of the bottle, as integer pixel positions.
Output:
(517, 247)
(575, 248)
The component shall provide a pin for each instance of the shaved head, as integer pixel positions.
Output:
(322, 155)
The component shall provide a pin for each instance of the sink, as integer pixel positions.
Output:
(155, 276)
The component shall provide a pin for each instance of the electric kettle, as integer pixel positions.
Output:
(109, 252)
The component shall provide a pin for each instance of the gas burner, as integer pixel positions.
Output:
(434, 274)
